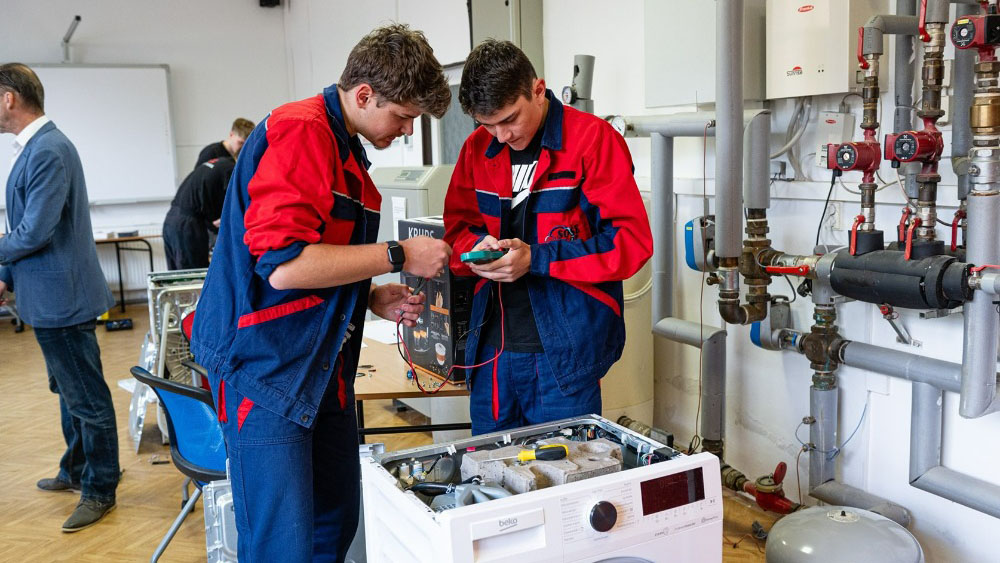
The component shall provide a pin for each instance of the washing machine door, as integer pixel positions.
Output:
(624, 560)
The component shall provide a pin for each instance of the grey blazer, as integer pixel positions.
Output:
(49, 257)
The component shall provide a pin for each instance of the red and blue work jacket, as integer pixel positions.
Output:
(587, 228)
(296, 183)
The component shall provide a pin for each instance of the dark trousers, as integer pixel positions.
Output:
(296, 490)
(526, 393)
(185, 242)
(73, 362)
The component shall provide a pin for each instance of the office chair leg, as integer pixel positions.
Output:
(176, 525)
(184, 491)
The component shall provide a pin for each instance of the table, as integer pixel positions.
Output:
(118, 241)
(388, 381)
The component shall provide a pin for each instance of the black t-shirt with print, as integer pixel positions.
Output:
(521, 333)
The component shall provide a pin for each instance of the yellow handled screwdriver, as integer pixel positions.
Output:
(544, 453)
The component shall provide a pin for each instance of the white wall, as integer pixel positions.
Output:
(227, 59)
(767, 392)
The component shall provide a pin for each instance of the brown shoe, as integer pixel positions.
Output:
(88, 512)
(58, 485)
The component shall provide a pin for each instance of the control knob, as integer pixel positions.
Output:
(603, 516)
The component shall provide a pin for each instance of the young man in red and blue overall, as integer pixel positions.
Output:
(553, 187)
(280, 318)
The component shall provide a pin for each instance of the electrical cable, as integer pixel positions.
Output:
(447, 378)
(696, 437)
(819, 228)
(832, 453)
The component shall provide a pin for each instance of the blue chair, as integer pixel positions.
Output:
(197, 447)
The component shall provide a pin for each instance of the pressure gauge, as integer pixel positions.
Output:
(618, 124)
(568, 95)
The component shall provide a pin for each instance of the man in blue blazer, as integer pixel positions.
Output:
(49, 258)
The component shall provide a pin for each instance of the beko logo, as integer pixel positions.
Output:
(415, 232)
(806, 8)
(506, 523)
(794, 72)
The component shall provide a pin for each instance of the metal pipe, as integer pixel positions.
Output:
(68, 36)
(836, 493)
(729, 125)
(822, 435)
(711, 339)
(963, 78)
(756, 164)
(688, 124)
(903, 90)
(919, 369)
(662, 180)
(899, 24)
(926, 419)
(979, 383)
(926, 471)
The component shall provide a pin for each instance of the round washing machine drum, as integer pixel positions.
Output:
(827, 534)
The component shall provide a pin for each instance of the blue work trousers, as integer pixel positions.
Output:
(296, 490)
(526, 393)
(73, 362)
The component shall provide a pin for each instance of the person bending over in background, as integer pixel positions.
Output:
(49, 258)
(230, 146)
(194, 212)
(280, 319)
(553, 187)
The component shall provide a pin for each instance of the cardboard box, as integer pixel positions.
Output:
(438, 340)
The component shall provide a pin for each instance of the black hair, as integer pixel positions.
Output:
(496, 74)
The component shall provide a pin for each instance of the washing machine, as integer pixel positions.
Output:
(615, 497)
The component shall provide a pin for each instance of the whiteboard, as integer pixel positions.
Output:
(119, 119)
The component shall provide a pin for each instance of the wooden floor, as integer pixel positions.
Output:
(149, 495)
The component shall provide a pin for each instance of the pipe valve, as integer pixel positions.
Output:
(914, 146)
(864, 156)
(802, 270)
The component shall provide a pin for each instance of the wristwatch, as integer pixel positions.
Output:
(396, 256)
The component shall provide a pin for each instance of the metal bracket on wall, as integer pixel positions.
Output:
(902, 336)
(939, 313)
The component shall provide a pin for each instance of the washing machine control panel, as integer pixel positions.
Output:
(650, 505)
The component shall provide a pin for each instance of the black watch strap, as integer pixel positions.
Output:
(396, 256)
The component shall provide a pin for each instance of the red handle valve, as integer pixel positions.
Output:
(922, 25)
(793, 270)
(959, 215)
(861, 42)
(909, 237)
(854, 233)
(903, 221)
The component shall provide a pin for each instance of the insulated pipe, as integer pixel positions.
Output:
(729, 137)
(919, 369)
(710, 339)
(840, 494)
(756, 164)
(963, 79)
(926, 471)
(712, 342)
(926, 419)
(662, 180)
(979, 383)
(903, 86)
(899, 24)
(822, 435)
(691, 124)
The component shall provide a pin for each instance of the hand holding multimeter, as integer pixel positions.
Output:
(499, 260)
(482, 256)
